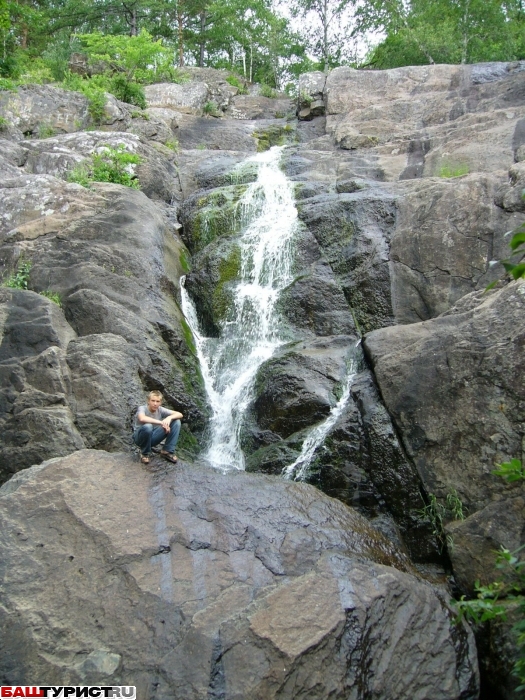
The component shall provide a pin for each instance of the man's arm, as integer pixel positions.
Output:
(172, 415)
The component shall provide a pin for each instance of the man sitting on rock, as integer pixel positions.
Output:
(152, 424)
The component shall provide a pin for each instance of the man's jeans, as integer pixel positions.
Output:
(149, 435)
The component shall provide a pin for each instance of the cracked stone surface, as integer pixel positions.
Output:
(187, 582)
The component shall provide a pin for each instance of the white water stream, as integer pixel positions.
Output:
(250, 334)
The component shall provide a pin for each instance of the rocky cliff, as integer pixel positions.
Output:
(406, 182)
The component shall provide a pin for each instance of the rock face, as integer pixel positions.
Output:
(178, 583)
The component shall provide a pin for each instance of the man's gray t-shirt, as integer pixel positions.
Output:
(159, 414)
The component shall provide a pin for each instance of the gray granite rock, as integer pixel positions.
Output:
(177, 581)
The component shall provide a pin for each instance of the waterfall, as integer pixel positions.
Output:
(250, 333)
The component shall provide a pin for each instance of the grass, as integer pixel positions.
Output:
(45, 131)
(210, 109)
(448, 171)
(267, 91)
(172, 144)
(52, 296)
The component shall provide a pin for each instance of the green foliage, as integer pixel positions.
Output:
(487, 604)
(234, 80)
(57, 54)
(52, 296)
(443, 31)
(305, 97)
(440, 514)
(108, 165)
(172, 144)
(131, 55)
(210, 108)
(453, 170)
(3, 123)
(20, 278)
(511, 471)
(267, 91)
(515, 265)
(128, 91)
(45, 131)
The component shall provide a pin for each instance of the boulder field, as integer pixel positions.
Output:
(200, 584)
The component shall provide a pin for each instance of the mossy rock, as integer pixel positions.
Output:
(275, 135)
(212, 215)
(211, 283)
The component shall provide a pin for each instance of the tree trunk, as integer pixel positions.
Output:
(325, 35)
(133, 24)
(465, 38)
(180, 27)
(201, 45)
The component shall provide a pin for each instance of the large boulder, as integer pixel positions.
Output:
(179, 582)
(32, 108)
(59, 155)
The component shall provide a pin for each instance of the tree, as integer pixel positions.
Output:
(443, 31)
(329, 34)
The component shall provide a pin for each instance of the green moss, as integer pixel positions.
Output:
(183, 260)
(229, 269)
(188, 442)
(447, 170)
(276, 135)
(217, 216)
(188, 336)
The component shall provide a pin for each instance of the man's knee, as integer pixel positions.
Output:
(147, 427)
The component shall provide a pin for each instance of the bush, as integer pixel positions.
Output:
(109, 165)
(20, 278)
(488, 602)
(210, 108)
(128, 91)
(237, 82)
(267, 91)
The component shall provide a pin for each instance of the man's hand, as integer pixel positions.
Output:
(166, 423)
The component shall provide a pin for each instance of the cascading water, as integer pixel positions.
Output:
(250, 333)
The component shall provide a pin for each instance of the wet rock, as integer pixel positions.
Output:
(315, 302)
(209, 581)
(446, 234)
(36, 399)
(353, 233)
(298, 386)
